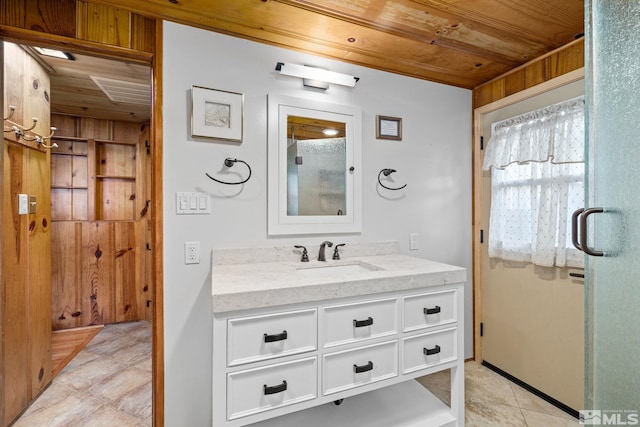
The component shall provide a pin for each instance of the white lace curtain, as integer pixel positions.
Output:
(537, 181)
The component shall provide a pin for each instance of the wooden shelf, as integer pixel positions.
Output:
(69, 138)
(129, 178)
(54, 153)
(109, 141)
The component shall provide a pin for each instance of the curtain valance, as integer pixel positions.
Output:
(554, 133)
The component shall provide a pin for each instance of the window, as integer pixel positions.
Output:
(537, 182)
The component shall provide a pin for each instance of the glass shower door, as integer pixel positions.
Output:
(612, 382)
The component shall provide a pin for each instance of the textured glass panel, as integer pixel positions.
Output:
(613, 281)
(317, 181)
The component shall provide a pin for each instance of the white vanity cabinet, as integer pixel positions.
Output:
(286, 365)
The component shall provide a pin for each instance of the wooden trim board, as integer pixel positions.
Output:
(67, 343)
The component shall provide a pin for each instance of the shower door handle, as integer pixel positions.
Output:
(574, 228)
(583, 231)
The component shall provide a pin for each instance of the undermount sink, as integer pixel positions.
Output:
(336, 270)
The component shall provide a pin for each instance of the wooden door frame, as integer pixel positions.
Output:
(478, 117)
(154, 60)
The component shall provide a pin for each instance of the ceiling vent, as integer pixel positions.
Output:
(124, 92)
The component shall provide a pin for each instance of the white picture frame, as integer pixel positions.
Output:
(216, 114)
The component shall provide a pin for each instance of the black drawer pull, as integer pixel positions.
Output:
(361, 323)
(275, 389)
(578, 275)
(434, 310)
(364, 368)
(275, 337)
(430, 351)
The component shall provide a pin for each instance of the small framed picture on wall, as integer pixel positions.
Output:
(216, 114)
(389, 128)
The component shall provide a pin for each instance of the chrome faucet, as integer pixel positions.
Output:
(321, 256)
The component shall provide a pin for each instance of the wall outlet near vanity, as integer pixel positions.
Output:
(192, 252)
(413, 241)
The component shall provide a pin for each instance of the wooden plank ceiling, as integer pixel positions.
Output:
(458, 42)
(75, 93)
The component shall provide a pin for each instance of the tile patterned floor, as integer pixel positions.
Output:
(109, 384)
(492, 400)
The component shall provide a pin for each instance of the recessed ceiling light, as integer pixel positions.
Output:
(330, 132)
(54, 53)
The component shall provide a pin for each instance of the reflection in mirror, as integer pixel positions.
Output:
(316, 167)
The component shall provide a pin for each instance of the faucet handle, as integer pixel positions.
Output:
(336, 255)
(305, 255)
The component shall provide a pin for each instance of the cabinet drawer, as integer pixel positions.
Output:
(423, 351)
(364, 365)
(426, 310)
(264, 337)
(342, 324)
(257, 390)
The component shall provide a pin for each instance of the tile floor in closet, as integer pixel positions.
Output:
(109, 384)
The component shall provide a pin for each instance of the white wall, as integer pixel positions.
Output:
(434, 159)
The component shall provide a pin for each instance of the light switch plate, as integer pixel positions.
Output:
(23, 204)
(192, 203)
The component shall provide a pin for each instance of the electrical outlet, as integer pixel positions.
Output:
(413, 242)
(192, 252)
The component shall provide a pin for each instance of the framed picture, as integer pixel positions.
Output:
(216, 114)
(388, 128)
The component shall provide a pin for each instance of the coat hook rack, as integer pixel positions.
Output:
(387, 172)
(229, 162)
(41, 140)
(19, 130)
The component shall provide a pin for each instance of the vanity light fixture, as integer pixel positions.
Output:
(312, 75)
(330, 132)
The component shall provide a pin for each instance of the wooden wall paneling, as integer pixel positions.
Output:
(47, 16)
(91, 180)
(143, 33)
(514, 82)
(36, 94)
(12, 84)
(14, 278)
(66, 125)
(97, 271)
(66, 274)
(563, 60)
(103, 24)
(126, 271)
(95, 128)
(62, 205)
(62, 168)
(115, 199)
(39, 273)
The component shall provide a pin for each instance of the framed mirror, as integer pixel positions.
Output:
(314, 169)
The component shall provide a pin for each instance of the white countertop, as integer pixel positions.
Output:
(266, 284)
